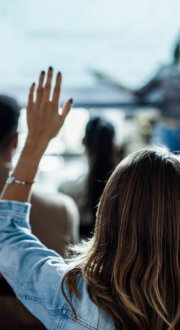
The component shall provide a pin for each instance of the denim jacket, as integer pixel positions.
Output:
(35, 273)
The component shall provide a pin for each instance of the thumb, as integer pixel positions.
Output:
(66, 109)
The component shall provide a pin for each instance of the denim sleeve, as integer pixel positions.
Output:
(34, 272)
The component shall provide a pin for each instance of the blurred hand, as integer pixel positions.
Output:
(44, 122)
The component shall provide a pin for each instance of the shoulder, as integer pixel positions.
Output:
(58, 208)
(71, 209)
(85, 308)
(57, 200)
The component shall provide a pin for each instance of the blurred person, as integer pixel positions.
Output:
(54, 218)
(163, 89)
(100, 150)
(127, 275)
(166, 84)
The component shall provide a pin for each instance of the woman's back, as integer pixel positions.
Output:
(130, 267)
(132, 262)
(127, 276)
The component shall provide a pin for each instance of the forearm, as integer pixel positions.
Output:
(25, 171)
(44, 122)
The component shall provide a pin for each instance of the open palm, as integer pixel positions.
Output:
(44, 121)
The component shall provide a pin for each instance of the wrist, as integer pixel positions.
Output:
(29, 161)
(35, 148)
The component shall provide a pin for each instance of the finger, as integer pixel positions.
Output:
(66, 109)
(57, 90)
(31, 96)
(40, 87)
(47, 88)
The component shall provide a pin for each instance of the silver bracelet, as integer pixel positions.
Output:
(11, 179)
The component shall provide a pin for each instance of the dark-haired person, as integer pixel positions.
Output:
(87, 189)
(54, 218)
(128, 275)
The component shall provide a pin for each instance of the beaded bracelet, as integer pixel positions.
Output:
(11, 179)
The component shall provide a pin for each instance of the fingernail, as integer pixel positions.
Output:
(42, 72)
(50, 68)
(33, 84)
(59, 73)
(71, 101)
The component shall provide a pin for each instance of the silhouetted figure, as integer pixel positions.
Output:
(87, 189)
(98, 141)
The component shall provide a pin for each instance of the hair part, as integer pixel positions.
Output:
(131, 264)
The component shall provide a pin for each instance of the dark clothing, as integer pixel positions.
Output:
(164, 88)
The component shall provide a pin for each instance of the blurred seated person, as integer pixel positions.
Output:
(101, 154)
(54, 218)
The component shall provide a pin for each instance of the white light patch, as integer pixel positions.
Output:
(50, 163)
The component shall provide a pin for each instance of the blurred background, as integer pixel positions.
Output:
(98, 46)
(120, 62)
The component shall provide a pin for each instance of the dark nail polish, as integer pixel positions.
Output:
(59, 73)
(71, 101)
(42, 72)
(50, 68)
(33, 84)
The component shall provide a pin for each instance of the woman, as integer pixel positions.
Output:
(127, 276)
(87, 189)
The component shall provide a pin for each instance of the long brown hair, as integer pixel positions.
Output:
(131, 264)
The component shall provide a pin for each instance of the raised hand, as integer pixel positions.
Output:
(44, 122)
